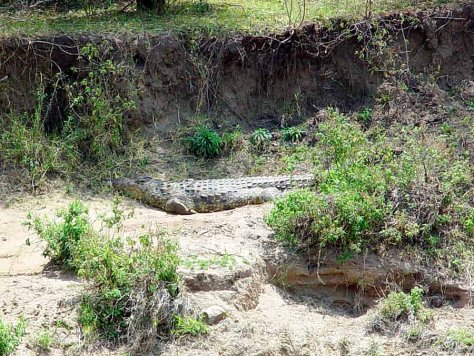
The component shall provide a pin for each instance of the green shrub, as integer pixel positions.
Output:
(93, 135)
(260, 138)
(293, 134)
(44, 340)
(369, 196)
(365, 116)
(62, 237)
(309, 220)
(205, 142)
(232, 140)
(400, 305)
(133, 285)
(96, 123)
(189, 326)
(10, 336)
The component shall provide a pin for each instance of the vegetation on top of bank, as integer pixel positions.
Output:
(187, 16)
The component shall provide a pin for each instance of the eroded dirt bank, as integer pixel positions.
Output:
(251, 80)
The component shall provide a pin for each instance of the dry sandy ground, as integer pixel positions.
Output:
(262, 318)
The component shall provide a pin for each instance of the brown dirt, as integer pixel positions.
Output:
(262, 317)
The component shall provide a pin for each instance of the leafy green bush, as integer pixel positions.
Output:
(293, 134)
(94, 133)
(308, 220)
(399, 308)
(131, 287)
(205, 142)
(132, 293)
(260, 138)
(189, 326)
(365, 116)
(400, 305)
(232, 140)
(368, 195)
(96, 120)
(10, 336)
(63, 237)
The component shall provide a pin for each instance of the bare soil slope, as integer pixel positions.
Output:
(224, 266)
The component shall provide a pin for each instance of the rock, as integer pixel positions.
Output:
(213, 315)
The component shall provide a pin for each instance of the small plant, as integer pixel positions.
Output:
(471, 105)
(96, 124)
(10, 336)
(186, 325)
(200, 7)
(25, 144)
(205, 142)
(132, 288)
(232, 140)
(203, 263)
(44, 340)
(384, 99)
(446, 129)
(365, 116)
(260, 138)
(293, 134)
(461, 340)
(469, 223)
(400, 305)
(62, 237)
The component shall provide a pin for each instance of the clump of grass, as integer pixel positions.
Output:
(44, 339)
(10, 336)
(260, 139)
(398, 308)
(189, 326)
(233, 140)
(205, 142)
(457, 340)
(25, 144)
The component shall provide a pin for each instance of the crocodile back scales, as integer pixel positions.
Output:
(211, 194)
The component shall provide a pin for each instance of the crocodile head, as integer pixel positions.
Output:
(136, 188)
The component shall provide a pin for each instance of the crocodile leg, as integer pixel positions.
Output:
(178, 207)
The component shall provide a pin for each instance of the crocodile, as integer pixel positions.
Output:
(205, 196)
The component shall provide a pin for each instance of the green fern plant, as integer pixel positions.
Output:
(205, 142)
